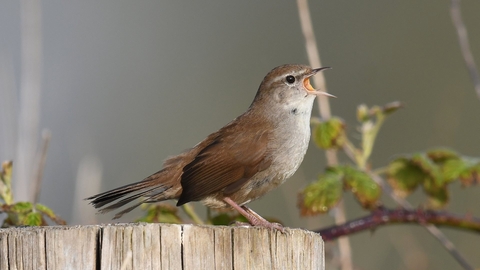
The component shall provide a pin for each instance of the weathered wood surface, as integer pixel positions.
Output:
(158, 246)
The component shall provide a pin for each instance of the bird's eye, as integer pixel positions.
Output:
(290, 79)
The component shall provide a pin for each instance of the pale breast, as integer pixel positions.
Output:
(292, 145)
(286, 148)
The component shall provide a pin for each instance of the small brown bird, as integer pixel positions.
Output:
(242, 161)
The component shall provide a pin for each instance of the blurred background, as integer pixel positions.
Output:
(125, 84)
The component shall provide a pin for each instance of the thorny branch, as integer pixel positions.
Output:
(384, 216)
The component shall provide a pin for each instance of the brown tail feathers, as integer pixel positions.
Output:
(151, 189)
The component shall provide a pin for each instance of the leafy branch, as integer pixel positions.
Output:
(433, 170)
(21, 213)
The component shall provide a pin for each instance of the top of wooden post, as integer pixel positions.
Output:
(159, 246)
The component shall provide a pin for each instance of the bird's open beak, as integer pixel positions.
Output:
(308, 86)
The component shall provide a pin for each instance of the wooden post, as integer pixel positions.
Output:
(159, 246)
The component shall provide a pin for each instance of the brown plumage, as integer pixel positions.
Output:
(242, 161)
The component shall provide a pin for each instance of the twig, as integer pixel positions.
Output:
(37, 183)
(31, 52)
(313, 56)
(464, 44)
(449, 246)
(325, 113)
(383, 216)
(8, 108)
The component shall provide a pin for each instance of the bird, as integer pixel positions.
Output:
(242, 161)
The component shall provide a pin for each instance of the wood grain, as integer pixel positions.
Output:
(159, 246)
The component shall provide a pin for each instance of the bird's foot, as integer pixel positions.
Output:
(254, 218)
(270, 225)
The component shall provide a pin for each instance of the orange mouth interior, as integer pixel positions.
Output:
(307, 85)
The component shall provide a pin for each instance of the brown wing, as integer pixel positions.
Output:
(233, 157)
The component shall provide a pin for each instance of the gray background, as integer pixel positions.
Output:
(128, 83)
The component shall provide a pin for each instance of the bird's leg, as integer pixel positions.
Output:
(252, 217)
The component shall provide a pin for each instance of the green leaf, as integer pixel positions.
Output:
(321, 195)
(6, 182)
(226, 219)
(453, 168)
(160, 213)
(430, 187)
(404, 177)
(434, 170)
(438, 198)
(430, 168)
(222, 219)
(6, 173)
(362, 186)
(33, 219)
(22, 207)
(440, 155)
(471, 175)
(45, 210)
(329, 134)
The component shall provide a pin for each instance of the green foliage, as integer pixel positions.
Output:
(438, 197)
(432, 170)
(47, 212)
(28, 214)
(21, 213)
(453, 169)
(34, 219)
(362, 186)
(160, 213)
(440, 155)
(223, 219)
(329, 134)
(404, 177)
(321, 195)
(167, 213)
(6, 182)
(433, 177)
(226, 219)
(22, 207)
